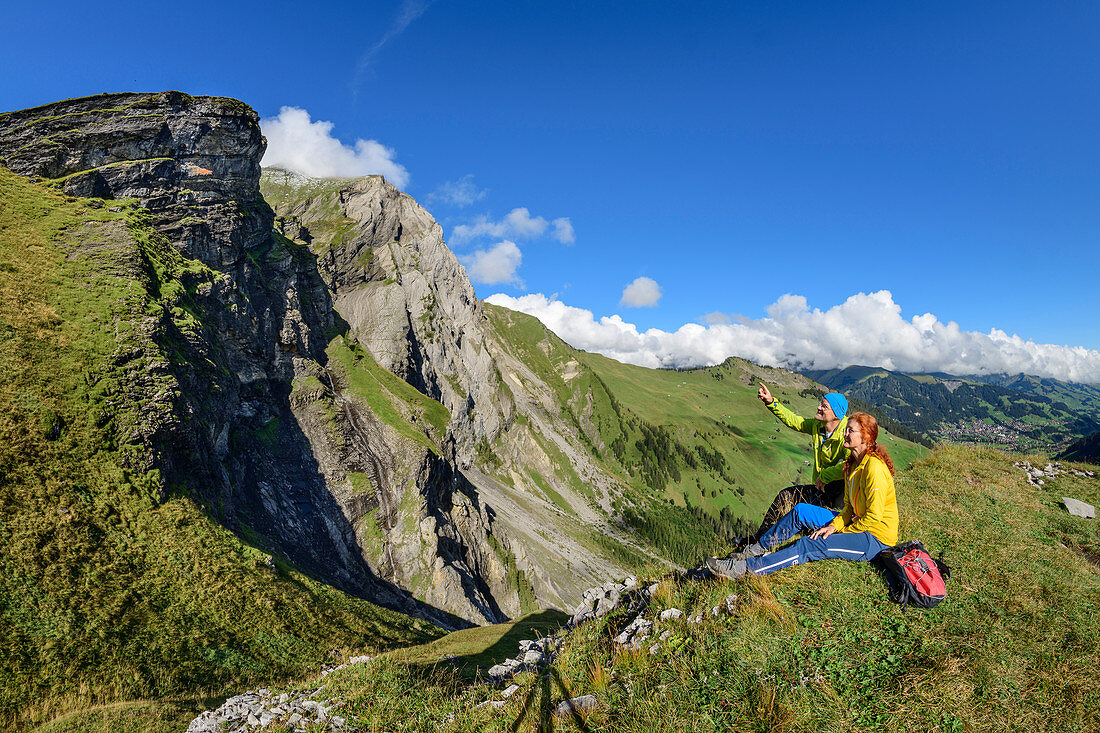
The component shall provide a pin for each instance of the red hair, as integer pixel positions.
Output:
(868, 428)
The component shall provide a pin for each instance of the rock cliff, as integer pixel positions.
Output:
(408, 302)
(328, 386)
(254, 322)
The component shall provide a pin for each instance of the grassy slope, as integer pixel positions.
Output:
(1080, 397)
(329, 226)
(108, 589)
(393, 400)
(1014, 647)
(698, 438)
(717, 406)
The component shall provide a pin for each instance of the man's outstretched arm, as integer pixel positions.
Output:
(787, 417)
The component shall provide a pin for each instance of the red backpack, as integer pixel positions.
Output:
(913, 575)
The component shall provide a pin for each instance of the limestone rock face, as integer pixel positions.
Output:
(407, 300)
(257, 423)
(403, 293)
(328, 385)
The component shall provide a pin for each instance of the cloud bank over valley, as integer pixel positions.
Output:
(867, 329)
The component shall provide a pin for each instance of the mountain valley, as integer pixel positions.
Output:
(253, 423)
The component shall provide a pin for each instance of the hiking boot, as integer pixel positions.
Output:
(754, 550)
(731, 569)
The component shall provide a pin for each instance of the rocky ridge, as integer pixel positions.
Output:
(274, 412)
(258, 422)
(408, 302)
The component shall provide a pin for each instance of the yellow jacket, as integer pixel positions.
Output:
(829, 453)
(870, 504)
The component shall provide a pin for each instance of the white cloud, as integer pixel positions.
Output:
(495, 265)
(296, 143)
(644, 292)
(460, 193)
(517, 224)
(563, 230)
(865, 329)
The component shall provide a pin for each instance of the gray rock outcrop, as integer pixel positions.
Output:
(258, 420)
(269, 407)
(408, 303)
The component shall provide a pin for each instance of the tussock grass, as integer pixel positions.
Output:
(819, 647)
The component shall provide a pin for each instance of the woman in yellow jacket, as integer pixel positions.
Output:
(868, 524)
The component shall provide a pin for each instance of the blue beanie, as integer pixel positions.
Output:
(838, 402)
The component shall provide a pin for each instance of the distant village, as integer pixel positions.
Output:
(1011, 435)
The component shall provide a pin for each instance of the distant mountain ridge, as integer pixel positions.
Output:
(1015, 412)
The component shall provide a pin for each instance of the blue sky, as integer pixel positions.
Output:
(732, 153)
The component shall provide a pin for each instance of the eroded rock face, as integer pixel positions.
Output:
(257, 423)
(407, 301)
(403, 293)
(265, 354)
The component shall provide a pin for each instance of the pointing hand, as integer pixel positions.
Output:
(764, 395)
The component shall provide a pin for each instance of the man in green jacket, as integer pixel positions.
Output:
(826, 430)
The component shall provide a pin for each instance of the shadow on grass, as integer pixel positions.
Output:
(135, 716)
(476, 649)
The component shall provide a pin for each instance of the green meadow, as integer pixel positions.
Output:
(114, 586)
(1014, 647)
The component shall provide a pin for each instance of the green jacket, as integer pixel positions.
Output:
(829, 453)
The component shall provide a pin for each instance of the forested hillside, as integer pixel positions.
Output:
(1026, 414)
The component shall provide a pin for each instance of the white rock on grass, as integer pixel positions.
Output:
(490, 704)
(576, 704)
(638, 627)
(672, 613)
(1079, 508)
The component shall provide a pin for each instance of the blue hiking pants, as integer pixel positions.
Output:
(803, 519)
(858, 546)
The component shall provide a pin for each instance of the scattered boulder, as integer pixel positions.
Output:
(534, 658)
(499, 671)
(672, 613)
(1079, 508)
(635, 634)
(598, 602)
(533, 654)
(729, 606)
(576, 704)
(258, 709)
(1038, 476)
(490, 704)
(354, 660)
